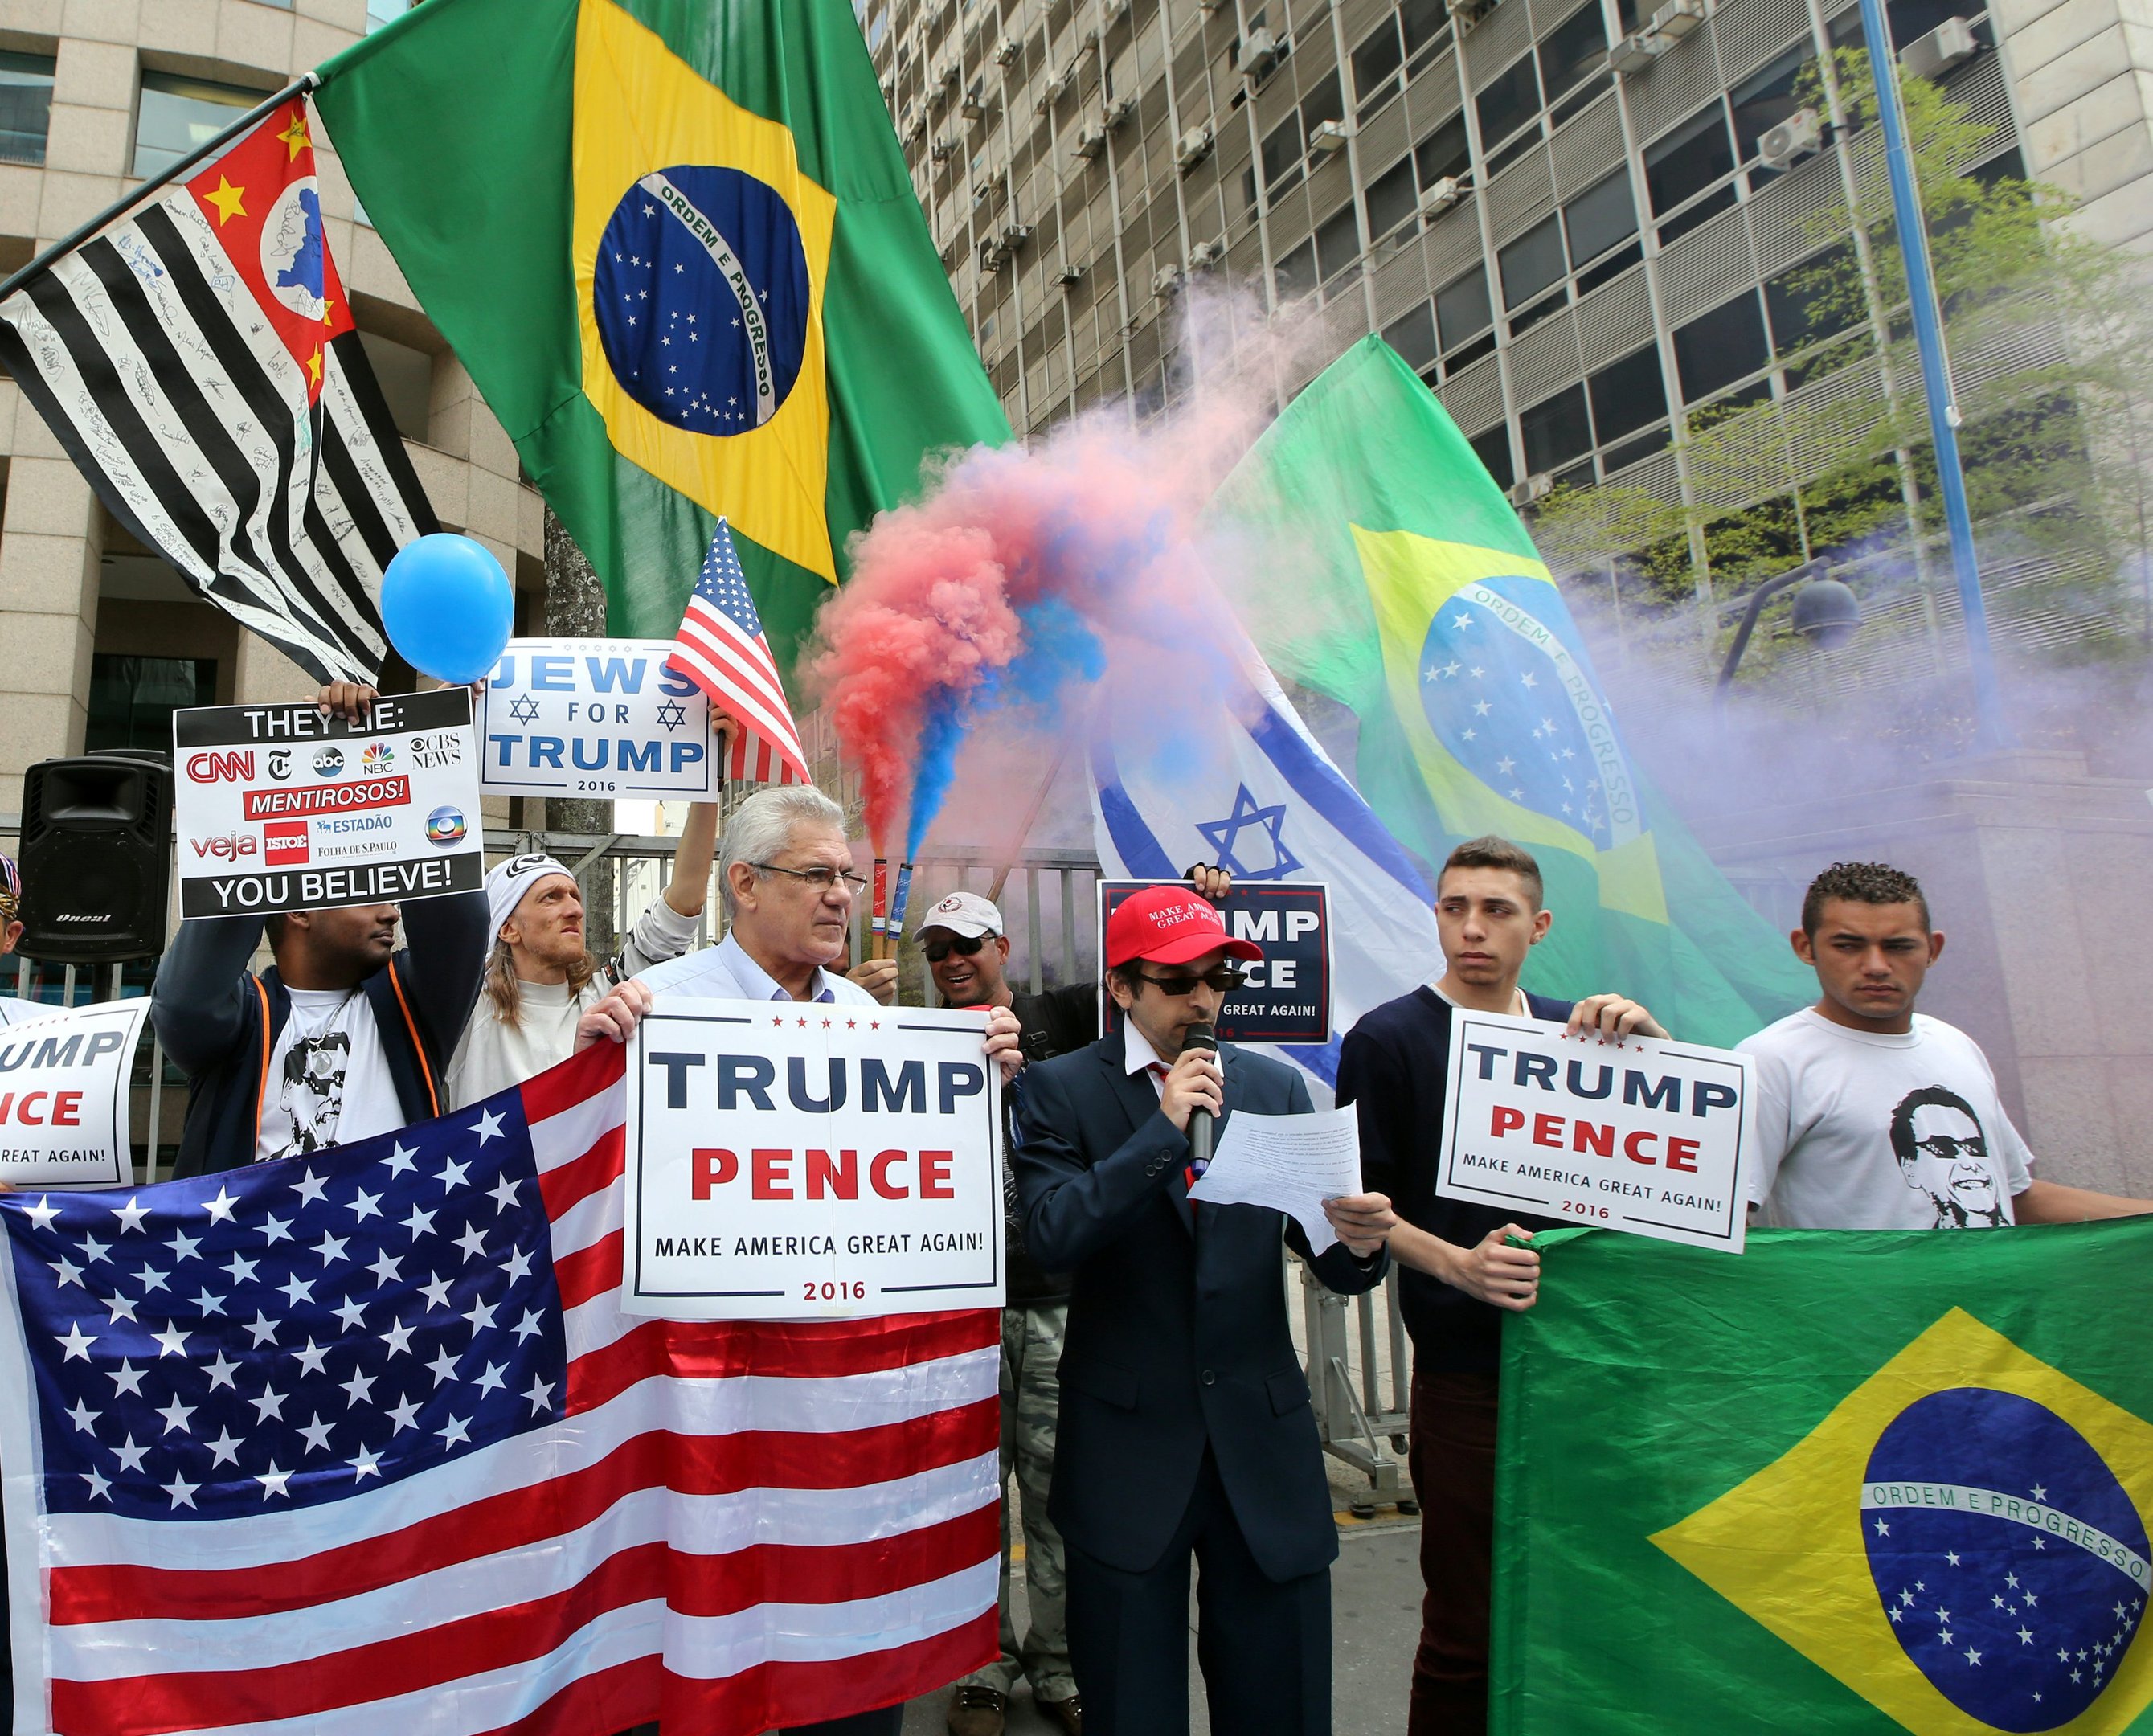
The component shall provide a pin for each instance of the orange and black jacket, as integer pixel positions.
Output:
(219, 1021)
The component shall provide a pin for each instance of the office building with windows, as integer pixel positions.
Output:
(1583, 221)
(102, 638)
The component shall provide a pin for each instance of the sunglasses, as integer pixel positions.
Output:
(1224, 980)
(963, 945)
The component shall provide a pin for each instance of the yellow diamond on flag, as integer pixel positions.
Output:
(1961, 1542)
(701, 253)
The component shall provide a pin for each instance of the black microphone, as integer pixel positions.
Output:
(1202, 1124)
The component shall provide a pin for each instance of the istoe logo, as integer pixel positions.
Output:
(284, 843)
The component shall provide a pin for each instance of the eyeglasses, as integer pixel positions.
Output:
(1224, 980)
(820, 879)
(963, 945)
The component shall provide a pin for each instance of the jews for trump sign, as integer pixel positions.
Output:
(799, 1161)
(595, 717)
(1628, 1133)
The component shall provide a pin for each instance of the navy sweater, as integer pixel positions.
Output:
(1394, 1066)
(219, 1020)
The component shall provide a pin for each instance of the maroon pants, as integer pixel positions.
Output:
(1452, 1457)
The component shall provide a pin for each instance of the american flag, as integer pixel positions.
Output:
(363, 1443)
(720, 649)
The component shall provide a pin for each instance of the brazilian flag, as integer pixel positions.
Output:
(675, 245)
(1844, 1484)
(1418, 601)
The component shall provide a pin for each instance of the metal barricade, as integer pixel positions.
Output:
(1360, 1383)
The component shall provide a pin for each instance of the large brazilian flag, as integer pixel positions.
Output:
(675, 245)
(1416, 600)
(1845, 1484)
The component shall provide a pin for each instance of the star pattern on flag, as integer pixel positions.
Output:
(1249, 815)
(282, 1333)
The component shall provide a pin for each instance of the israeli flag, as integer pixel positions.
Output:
(1263, 800)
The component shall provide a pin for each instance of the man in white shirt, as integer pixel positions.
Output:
(544, 996)
(1871, 1116)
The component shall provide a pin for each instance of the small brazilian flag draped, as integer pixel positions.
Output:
(675, 245)
(1418, 601)
(1843, 1484)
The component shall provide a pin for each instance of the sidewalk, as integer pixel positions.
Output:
(1375, 1598)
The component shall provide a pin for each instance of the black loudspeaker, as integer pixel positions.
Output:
(96, 857)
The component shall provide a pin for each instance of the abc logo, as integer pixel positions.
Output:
(328, 762)
(444, 825)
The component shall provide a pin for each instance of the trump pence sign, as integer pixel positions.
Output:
(803, 1161)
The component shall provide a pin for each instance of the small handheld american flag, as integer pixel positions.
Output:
(720, 648)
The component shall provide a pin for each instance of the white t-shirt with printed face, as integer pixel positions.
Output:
(328, 1082)
(1863, 1130)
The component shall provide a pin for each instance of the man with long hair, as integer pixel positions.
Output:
(544, 996)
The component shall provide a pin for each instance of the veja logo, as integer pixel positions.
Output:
(228, 848)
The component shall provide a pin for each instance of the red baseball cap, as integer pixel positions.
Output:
(1170, 925)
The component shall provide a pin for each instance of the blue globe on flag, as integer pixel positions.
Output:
(2010, 1561)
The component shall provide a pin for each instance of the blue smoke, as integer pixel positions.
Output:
(1059, 650)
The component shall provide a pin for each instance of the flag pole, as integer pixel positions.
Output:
(134, 195)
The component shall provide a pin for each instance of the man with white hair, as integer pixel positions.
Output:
(787, 876)
(544, 996)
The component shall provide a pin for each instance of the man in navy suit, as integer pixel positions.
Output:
(1185, 1425)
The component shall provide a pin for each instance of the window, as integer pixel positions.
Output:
(1603, 216)
(405, 376)
(1762, 100)
(26, 105)
(1337, 243)
(1627, 394)
(1555, 430)
(1493, 449)
(1687, 160)
(1531, 262)
(1572, 49)
(1797, 302)
(1461, 309)
(1443, 152)
(1715, 350)
(1413, 335)
(179, 116)
(1322, 104)
(1296, 273)
(1425, 24)
(1377, 61)
(1511, 99)
(1282, 155)
(1392, 198)
(132, 699)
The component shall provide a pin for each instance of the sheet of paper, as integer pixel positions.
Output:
(1290, 1162)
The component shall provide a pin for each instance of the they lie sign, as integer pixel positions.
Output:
(601, 717)
(804, 1161)
(283, 808)
(1635, 1133)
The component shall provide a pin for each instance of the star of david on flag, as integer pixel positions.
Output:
(721, 649)
(363, 1441)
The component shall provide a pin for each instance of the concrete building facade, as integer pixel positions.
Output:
(101, 637)
(1560, 211)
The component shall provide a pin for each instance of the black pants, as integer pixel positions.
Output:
(1264, 1646)
(1452, 1461)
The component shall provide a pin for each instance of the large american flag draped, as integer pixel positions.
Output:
(721, 649)
(362, 1443)
(198, 361)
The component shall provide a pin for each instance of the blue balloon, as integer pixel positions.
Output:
(448, 606)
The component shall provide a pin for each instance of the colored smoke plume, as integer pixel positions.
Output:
(1033, 582)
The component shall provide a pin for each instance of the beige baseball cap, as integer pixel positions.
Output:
(965, 914)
